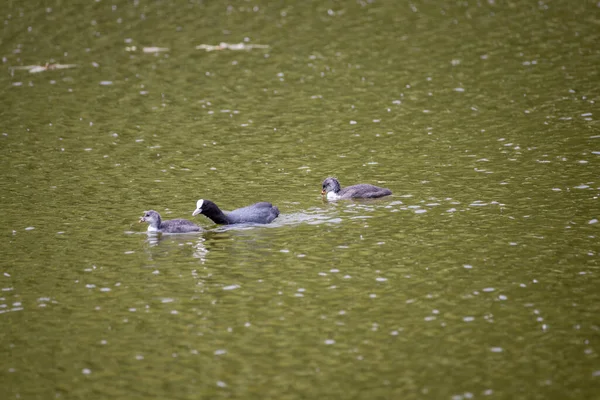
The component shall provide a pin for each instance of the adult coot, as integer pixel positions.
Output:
(259, 213)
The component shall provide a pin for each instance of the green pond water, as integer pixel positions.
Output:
(478, 278)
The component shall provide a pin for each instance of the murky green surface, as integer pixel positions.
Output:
(478, 278)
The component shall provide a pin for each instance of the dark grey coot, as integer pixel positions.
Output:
(259, 213)
(333, 190)
(156, 224)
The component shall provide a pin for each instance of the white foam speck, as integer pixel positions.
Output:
(329, 341)
(469, 319)
(380, 279)
(220, 352)
(29, 228)
(496, 349)
(86, 371)
(231, 287)
(593, 221)
(105, 83)
(467, 266)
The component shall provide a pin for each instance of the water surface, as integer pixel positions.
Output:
(477, 278)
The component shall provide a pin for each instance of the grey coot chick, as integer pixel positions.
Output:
(333, 190)
(156, 224)
(259, 213)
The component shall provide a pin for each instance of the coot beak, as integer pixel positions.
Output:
(323, 192)
(142, 219)
(197, 211)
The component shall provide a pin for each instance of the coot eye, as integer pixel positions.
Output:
(147, 215)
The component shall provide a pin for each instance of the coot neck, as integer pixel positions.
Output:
(215, 214)
(336, 186)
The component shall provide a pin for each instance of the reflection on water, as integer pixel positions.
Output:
(180, 240)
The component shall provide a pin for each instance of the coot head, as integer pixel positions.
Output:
(331, 185)
(199, 205)
(151, 217)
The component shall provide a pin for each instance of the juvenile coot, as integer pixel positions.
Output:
(259, 213)
(155, 224)
(333, 190)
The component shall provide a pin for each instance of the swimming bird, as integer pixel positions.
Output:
(259, 213)
(333, 190)
(171, 226)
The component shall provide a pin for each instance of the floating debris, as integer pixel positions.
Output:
(34, 69)
(150, 49)
(231, 46)
(154, 49)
